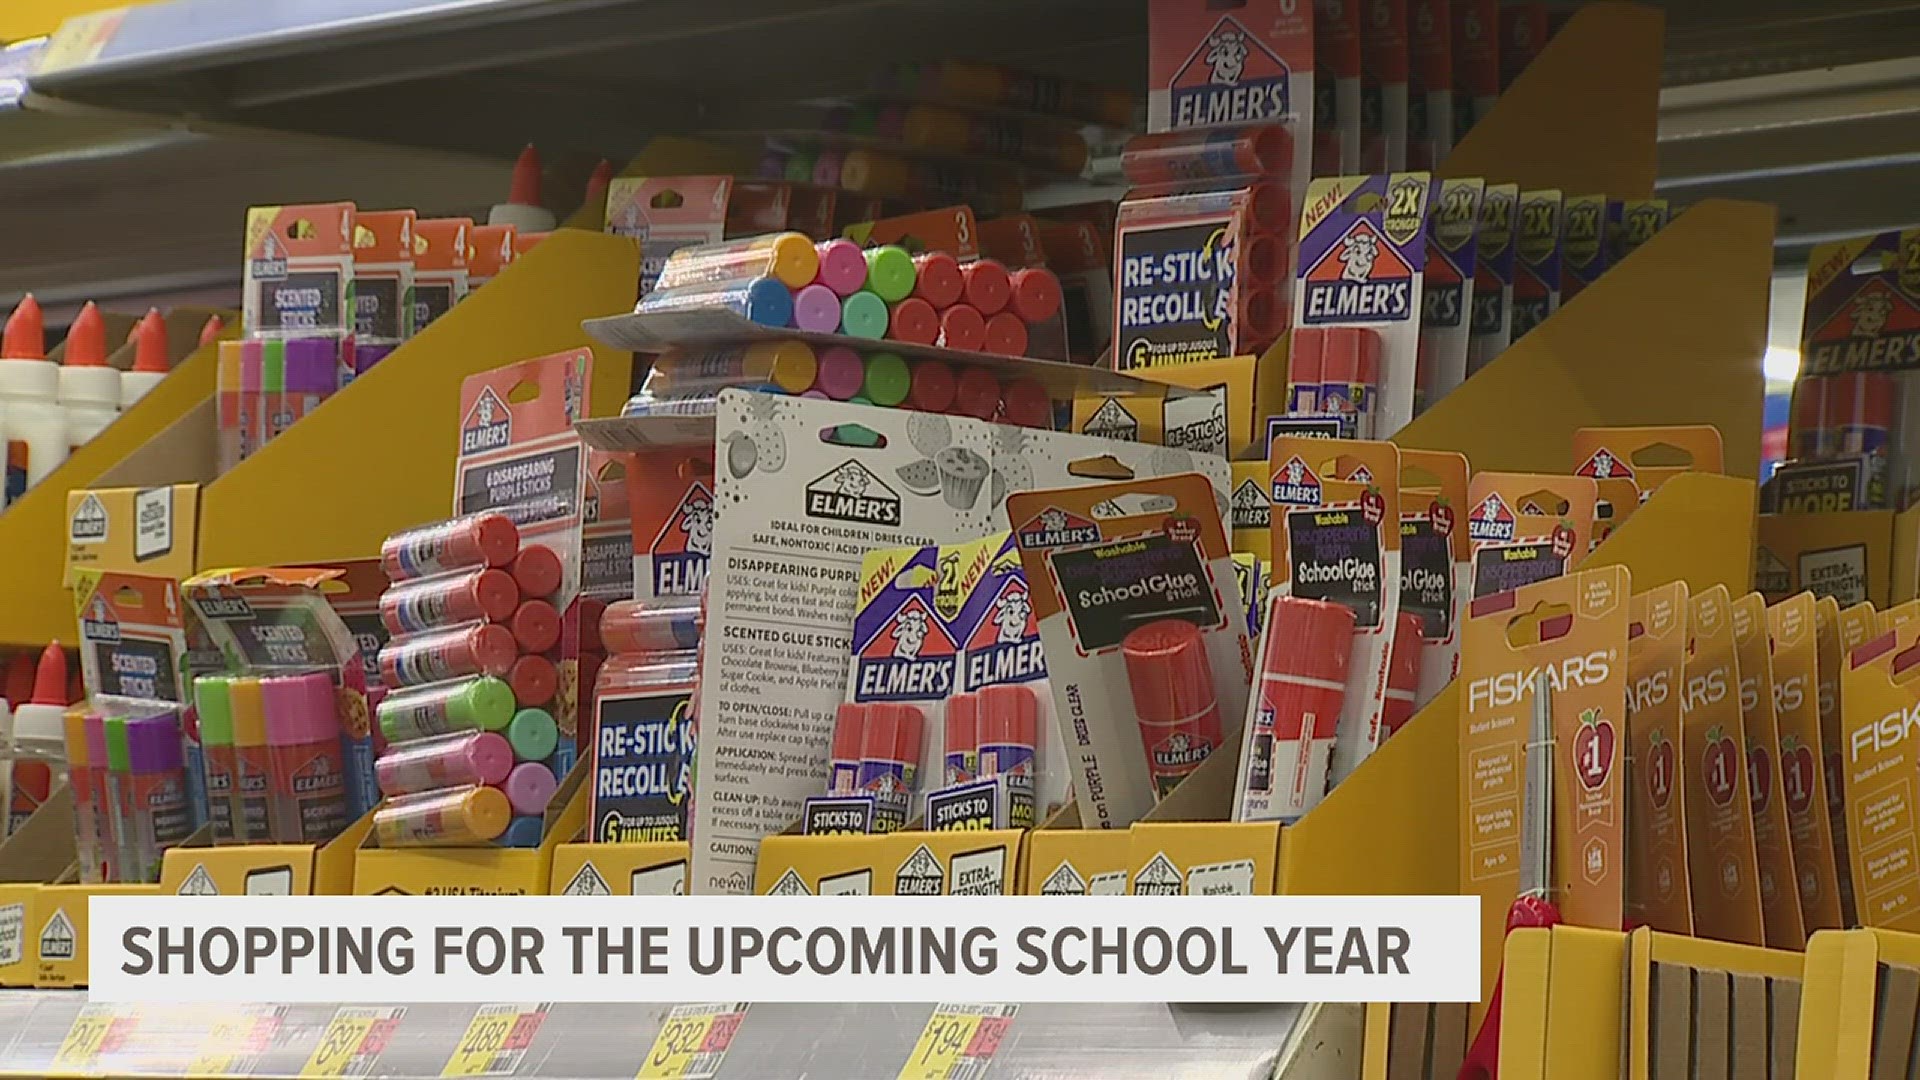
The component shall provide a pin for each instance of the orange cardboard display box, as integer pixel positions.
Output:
(1648, 456)
(1526, 527)
(1572, 629)
(1658, 885)
(1720, 845)
(1772, 842)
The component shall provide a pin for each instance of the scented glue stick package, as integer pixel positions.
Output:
(1144, 634)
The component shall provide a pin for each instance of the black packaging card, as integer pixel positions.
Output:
(1426, 577)
(1110, 590)
(1497, 569)
(1335, 556)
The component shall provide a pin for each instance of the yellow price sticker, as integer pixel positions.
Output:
(958, 1042)
(234, 1042)
(352, 1041)
(496, 1040)
(94, 1031)
(693, 1041)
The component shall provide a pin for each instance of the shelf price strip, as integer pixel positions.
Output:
(693, 1041)
(958, 1042)
(99, 1029)
(352, 1041)
(234, 1042)
(496, 1040)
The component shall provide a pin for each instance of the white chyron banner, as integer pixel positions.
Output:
(784, 949)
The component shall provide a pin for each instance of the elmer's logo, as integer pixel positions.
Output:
(1604, 465)
(99, 623)
(1295, 484)
(56, 938)
(1251, 508)
(89, 522)
(1361, 279)
(489, 424)
(1231, 78)
(1877, 328)
(910, 658)
(271, 263)
(851, 492)
(685, 542)
(1112, 421)
(1054, 527)
(1005, 647)
(1491, 519)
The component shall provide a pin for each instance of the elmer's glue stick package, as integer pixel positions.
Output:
(1430, 116)
(299, 274)
(1571, 633)
(1614, 502)
(439, 267)
(671, 505)
(1436, 567)
(1658, 892)
(1476, 61)
(1537, 275)
(1446, 301)
(1383, 86)
(1247, 63)
(1146, 642)
(1880, 696)
(1772, 842)
(1584, 255)
(1363, 245)
(1526, 527)
(1495, 253)
(1632, 222)
(383, 254)
(1648, 456)
(1793, 628)
(1721, 858)
(1336, 538)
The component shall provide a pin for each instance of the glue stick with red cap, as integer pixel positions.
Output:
(534, 681)
(1026, 403)
(962, 327)
(488, 539)
(1341, 389)
(938, 279)
(1305, 366)
(986, 286)
(487, 649)
(1299, 690)
(535, 625)
(890, 748)
(849, 735)
(150, 360)
(977, 395)
(1174, 699)
(210, 330)
(537, 570)
(1006, 335)
(933, 386)
(1403, 674)
(961, 752)
(477, 595)
(913, 320)
(89, 386)
(1009, 726)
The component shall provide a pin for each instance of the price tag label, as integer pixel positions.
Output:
(234, 1042)
(496, 1040)
(97, 1030)
(352, 1041)
(693, 1041)
(958, 1042)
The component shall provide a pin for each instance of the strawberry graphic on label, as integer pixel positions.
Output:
(1373, 506)
(1659, 767)
(1442, 516)
(1593, 749)
(1759, 776)
(1717, 766)
(1796, 773)
(1563, 538)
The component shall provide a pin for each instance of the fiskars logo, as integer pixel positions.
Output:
(1702, 690)
(1511, 687)
(1887, 732)
(1789, 695)
(1647, 692)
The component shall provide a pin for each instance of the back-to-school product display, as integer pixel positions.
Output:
(151, 362)
(33, 426)
(686, 382)
(89, 386)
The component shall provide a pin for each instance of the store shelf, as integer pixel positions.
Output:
(1111, 1042)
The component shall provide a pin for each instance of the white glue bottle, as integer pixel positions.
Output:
(149, 359)
(522, 210)
(89, 386)
(34, 425)
(37, 749)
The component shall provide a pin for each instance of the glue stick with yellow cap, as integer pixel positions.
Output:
(451, 817)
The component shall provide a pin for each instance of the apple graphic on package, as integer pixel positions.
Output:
(1660, 754)
(1717, 765)
(1797, 773)
(1593, 749)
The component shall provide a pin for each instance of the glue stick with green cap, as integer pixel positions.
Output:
(888, 379)
(118, 781)
(252, 765)
(864, 315)
(213, 702)
(481, 703)
(890, 272)
(273, 386)
(533, 734)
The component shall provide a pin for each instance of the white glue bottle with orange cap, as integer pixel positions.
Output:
(89, 386)
(149, 359)
(33, 423)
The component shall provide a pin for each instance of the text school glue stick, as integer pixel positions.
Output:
(89, 386)
(522, 209)
(34, 425)
(150, 363)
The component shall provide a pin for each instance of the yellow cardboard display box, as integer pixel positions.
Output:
(475, 871)
(657, 868)
(198, 868)
(964, 862)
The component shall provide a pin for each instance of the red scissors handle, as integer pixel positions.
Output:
(1483, 1057)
